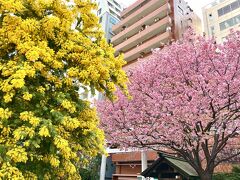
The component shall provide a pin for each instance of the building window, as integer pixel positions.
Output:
(220, 12)
(180, 10)
(118, 5)
(228, 8)
(230, 22)
(212, 31)
(113, 21)
(99, 11)
(234, 5)
(109, 4)
(114, 14)
(100, 19)
(117, 10)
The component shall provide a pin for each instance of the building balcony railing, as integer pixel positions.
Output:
(144, 35)
(138, 14)
(147, 20)
(132, 7)
(147, 46)
(125, 176)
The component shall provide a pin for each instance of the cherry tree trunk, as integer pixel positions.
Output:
(206, 176)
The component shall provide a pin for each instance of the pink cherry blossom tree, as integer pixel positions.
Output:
(186, 98)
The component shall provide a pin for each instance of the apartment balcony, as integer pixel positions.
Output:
(150, 19)
(147, 46)
(125, 176)
(147, 33)
(149, 7)
(132, 7)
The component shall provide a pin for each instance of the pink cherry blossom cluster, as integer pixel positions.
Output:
(185, 97)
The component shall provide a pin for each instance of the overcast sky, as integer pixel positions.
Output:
(196, 5)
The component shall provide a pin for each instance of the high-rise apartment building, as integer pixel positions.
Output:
(148, 24)
(109, 15)
(219, 17)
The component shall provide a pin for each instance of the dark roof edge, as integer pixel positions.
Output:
(173, 156)
(164, 156)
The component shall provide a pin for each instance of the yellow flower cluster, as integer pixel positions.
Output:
(69, 167)
(5, 113)
(63, 146)
(6, 131)
(22, 132)
(30, 176)
(53, 160)
(44, 132)
(70, 123)
(41, 89)
(69, 106)
(9, 172)
(27, 96)
(47, 49)
(12, 5)
(29, 116)
(18, 154)
(32, 55)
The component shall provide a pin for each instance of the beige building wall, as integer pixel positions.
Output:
(221, 16)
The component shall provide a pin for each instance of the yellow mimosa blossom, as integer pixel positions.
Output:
(41, 89)
(30, 176)
(44, 132)
(34, 121)
(71, 123)
(27, 96)
(18, 83)
(69, 106)
(26, 143)
(5, 113)
(8, 97)
(54, 161)
(48, 50)
(23, 132)
(26, 115)
(18, 154)
(69, 167)
(6, 131)
(60, 142)
(38, 65)
(7, 171)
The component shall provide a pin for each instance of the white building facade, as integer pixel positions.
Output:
(109, 15)
(221, 16)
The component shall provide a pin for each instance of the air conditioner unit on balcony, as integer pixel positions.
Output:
(156, 19)
(168, 29)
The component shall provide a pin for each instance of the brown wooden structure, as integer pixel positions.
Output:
(168, 167)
